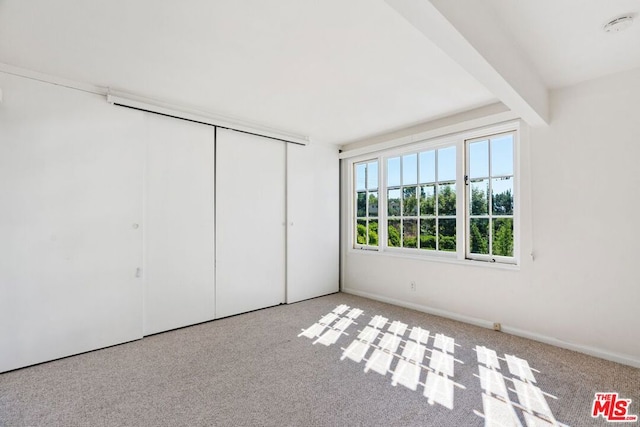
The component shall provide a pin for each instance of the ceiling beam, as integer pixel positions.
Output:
(467, 32)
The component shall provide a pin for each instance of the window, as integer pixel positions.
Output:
(452, 198)
(366, 200)
(421, 200)
(490, 179)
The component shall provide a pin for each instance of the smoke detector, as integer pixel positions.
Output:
(618, 24)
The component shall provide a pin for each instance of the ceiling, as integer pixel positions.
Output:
(337, 71)
(564, 39)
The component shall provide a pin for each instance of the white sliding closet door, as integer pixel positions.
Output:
(179, 216)
(314, 223)
(250, 222)
(70, 235)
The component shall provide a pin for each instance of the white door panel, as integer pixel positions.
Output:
(70, 235)
(179, 214)
(313, 216)
(250, 222)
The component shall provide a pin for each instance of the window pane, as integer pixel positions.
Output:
(502, 189)
(447, 235)
(361, 232)
(428, 234)
(409, 201)
(393, 172)
(410, 169)
(427, 167)
(427, 200)
(479, 159)
(362, 204)
(502, 155)
(447, 199)
(360, 176)
(373, 204)
(479, 203)
(503, 236)
(393, 202)
(394, 233)
(373, 232)
(479, 236)
(372, 175)
(447, 164)
(409, 233)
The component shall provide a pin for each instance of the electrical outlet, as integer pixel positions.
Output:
(413, 286)
(497, 327)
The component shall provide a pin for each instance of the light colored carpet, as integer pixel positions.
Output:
(254, 370)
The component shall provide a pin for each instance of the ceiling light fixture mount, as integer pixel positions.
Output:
(618, 24)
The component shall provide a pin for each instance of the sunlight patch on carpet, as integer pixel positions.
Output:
(499, 409)
(420, 360)
(409, 360)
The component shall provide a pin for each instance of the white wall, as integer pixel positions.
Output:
(580, 203)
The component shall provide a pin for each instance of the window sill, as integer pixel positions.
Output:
(443, 258)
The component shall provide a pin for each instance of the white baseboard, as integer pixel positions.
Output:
(591, 351)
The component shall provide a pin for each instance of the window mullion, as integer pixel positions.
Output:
(383, 203)
(461, 234)
(466, 185)
(401, 201)
(354, 192)
(366, 204)
(418, 200)
(436, 202)
(401, 208)
(490, 201)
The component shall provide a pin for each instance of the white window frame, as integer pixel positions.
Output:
(490, 216)
(460, 140)
(440, 144)
(354, 203)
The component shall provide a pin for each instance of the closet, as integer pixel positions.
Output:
(119, 223)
